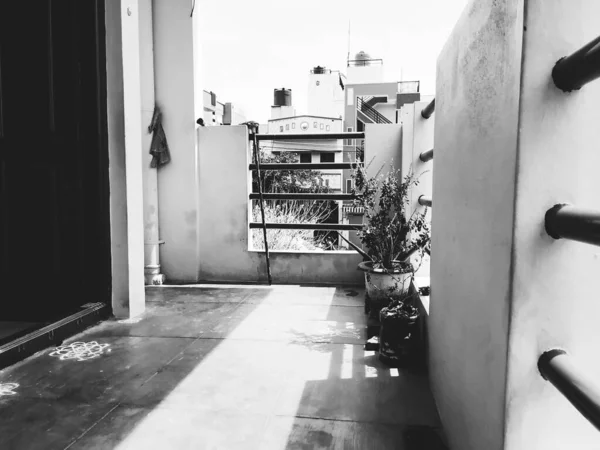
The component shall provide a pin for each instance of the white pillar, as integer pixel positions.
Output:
(125, 157)
(152, 272)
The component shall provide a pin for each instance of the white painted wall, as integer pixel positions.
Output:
(387, 110)
(125, 157)
(325, 95)
(555, 283)
(224, 254)
(477, 101)
(509, 145)
(365, 74)
(383, 146)
(178, 88)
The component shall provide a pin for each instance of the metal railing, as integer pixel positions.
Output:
(364, 62)
(425, 200)
(371, 112)
(583, 392)
(428, 111)
(426, 156)
(564, 221)
(409, 87)
(302, 196)
(575, 71)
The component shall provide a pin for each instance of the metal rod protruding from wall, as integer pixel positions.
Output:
(575, 71)
(428, 110)
(426, 156)
(582, 391)
(564, 221)
(253, 130)
(425, 200)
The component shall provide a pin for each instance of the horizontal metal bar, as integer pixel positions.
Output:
(307, 226)
(308, 136)
(425, 200)
(582, 391)
(575, 71)
(303, 196)
(570, 222)
(305, 166)
(426, 156)
(428, 110)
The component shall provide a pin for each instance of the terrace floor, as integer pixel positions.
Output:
(221, 367)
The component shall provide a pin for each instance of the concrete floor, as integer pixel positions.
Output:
(267, 368)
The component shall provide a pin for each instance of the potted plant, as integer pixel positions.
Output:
(398, 321)
(391, 234)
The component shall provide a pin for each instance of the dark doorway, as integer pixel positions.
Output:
(54, 216)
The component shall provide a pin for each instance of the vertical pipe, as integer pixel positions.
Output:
(254, 130)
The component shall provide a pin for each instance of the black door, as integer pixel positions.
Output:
(54, 243)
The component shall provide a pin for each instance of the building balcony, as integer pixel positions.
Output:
(226, 357)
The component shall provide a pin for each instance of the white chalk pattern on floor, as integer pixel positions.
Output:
(80, 351)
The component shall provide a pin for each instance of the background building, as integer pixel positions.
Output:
(326, 92)
(217, 113)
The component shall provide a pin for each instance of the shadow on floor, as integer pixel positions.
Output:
(277, 368)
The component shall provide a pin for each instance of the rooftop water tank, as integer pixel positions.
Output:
(282, 97)
(362, 59)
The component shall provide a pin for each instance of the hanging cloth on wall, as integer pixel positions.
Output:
(159, 149)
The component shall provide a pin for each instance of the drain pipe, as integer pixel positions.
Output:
(253, 130)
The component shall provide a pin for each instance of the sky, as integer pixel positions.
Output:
(252, 47)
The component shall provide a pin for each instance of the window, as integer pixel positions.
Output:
(314, 124)
(287, 126)
(327, 128)
(294, 126)
(350, 96)
(281, 128)
(348, 186)
(327, 157)
(322, 126)
(305, 157)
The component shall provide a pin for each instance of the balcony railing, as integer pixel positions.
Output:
(371, 112)
(261, 197)
(364, 62)
(409, 87)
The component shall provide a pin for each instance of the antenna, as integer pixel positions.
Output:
(348, 57)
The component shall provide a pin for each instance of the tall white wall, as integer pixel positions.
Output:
(555, 283)
(178, 88)
(508, 146)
